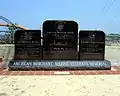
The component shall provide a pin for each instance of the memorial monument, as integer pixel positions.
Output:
(91, 45)
(60, 48)
(27, 45)
(60, 40)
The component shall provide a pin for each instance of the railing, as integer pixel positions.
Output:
(5, 37)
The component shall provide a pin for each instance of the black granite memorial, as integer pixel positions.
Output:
(60, 40)
(59, 52)
(91, 45)
(27, 45)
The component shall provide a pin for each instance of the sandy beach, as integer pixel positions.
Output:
(82, 85)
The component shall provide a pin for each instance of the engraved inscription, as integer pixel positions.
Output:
(60, 40)
(91, 45)
(27, 45)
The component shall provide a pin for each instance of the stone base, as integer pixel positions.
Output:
(59, 65)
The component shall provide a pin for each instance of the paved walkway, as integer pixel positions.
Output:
(114, 70)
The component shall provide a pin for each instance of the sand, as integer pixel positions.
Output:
(112, 53)
(82, 85)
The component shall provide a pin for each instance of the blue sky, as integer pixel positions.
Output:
(90, 14)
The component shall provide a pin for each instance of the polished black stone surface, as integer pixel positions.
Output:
(58, 64)
(60, 39)
(91, 45)
(27, 45)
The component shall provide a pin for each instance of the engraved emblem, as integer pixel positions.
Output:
(27, 36)
(92, 36)
(60, 26)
